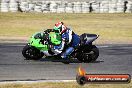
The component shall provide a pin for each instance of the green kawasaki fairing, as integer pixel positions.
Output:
(35, 40)
(55, 38)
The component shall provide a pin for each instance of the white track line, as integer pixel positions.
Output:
(38, 81)
(14, 45)
(103, 46)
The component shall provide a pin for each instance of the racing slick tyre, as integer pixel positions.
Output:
(88, 55)
(95, 53)
(31, 53)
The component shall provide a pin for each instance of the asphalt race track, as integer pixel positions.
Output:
(113, 59)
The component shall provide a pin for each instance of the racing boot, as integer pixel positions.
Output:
(66, 54)
(46, 53)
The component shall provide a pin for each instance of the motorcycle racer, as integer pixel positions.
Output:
(68, 38)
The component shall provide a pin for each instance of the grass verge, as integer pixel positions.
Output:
(112, 28)
(64, 85)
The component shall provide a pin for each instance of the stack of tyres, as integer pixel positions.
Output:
(61, 8)
(53, 7)
(77, 8)
(13, 6)
(24, 6)
(69, 8)
(104, 7)
(31, 7)
(95, 7)
(37, 8)
(112, 7)
(120, 7)
(85, 7)
(4, 7)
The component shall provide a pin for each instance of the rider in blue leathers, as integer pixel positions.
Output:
(68, 38)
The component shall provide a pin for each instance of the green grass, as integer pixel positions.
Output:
(115, 28)
(64, 85)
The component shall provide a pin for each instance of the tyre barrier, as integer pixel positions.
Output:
(4, 7)
(113, 6)
(85, 7)
(104, 7)
(77, 7)
(13, 7)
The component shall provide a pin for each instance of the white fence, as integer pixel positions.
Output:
(112, 6)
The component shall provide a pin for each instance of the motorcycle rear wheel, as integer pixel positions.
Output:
(88, 55)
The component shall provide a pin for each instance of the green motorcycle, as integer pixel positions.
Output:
(37, 48)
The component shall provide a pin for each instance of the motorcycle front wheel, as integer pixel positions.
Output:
(31, 53)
